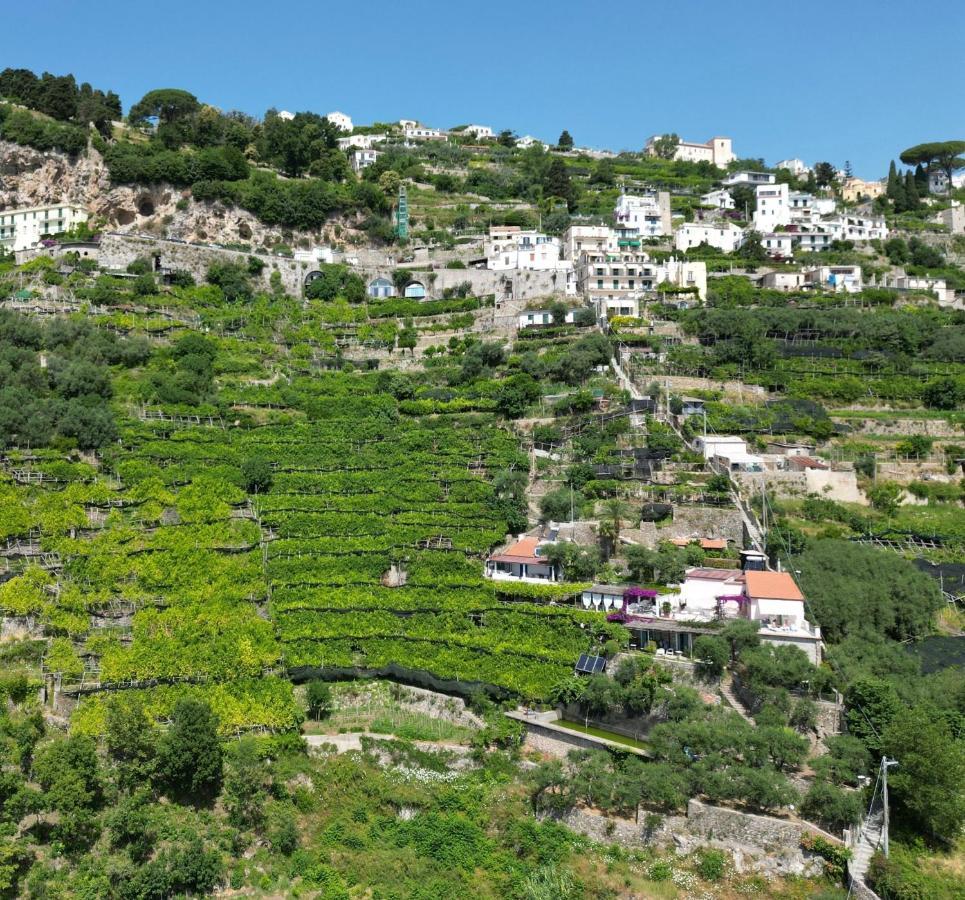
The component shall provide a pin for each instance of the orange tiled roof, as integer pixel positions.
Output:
(772, 585)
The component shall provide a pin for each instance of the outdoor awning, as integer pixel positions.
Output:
(779, 607)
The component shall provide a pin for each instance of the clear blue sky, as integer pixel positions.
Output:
(853, 79)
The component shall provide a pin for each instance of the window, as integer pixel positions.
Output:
(631, 284)
(599, 284)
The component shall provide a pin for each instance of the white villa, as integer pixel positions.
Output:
(725, 236)
(718, 150)
(706, 596)
(22, 229)
(341, 121)
(522, 561)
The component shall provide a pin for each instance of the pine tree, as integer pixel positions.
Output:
(912, 200)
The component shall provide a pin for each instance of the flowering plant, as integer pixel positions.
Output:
(636, 594)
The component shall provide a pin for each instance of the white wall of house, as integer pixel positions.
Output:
(341, 121)
(773, 207)
(21, 229)
(642, 216)
(779, 245)
(480, 132)
(724, 236)
(719, 199)
(795, 166)
(718, 150)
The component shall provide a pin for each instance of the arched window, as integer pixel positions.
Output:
(380, 287)
(416, 291)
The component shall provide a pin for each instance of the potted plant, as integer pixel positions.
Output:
(665, 608)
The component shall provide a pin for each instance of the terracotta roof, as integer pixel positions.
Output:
(806, 462)
(772, 585)
(524, 550)
(705, 543)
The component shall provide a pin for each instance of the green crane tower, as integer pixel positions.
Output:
(402, 215)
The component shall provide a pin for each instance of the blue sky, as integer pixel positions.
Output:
(856, 79)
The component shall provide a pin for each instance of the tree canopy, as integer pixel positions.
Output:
(945, 155)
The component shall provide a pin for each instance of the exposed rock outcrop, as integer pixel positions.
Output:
(30, 177)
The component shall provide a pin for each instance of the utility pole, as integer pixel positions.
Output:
(885, 765)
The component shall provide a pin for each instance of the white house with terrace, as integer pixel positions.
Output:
(707, 596)
(725, 236)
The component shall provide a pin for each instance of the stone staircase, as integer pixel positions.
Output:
(727, 690)
(864, 841)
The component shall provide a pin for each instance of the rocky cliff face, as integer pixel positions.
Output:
(30, 177)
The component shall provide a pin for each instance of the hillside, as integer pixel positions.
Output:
(261, 628)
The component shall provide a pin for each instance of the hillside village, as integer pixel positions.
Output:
(622, 492)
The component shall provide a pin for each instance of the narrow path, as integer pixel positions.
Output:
(727, 690)
(868, 841)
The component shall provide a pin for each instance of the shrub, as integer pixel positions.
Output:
(711, 865)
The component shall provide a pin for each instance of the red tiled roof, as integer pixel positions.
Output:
(772, 585)
(705, 543)
(806, 462)
(523, 551)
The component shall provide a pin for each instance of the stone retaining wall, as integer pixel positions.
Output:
(762, 844)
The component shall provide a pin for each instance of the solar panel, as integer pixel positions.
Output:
(590, 665)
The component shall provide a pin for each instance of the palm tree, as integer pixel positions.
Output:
(615, 513)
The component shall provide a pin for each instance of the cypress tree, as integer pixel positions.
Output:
(892, 190)
(921, 180)
(911, 191)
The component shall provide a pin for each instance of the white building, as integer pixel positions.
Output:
(899, 281)
(783, 281)
(845, 279)
(21, 229)
(480, 132)
(728, 453)
(718, 150)
(510, 247)
(413, 131)
(341, 121)
(937, 181)
(362, 159)
(527, 141)
(642, 216)
(524, 560)
(725, 236)
(812, 240)
(285, 115)
(773, 208)
(616, 279)
(855, 227)
(719, 199)
(953, 218)
(533, 318)
(796, 167)
(315, 256)
(361, 141)
(706, 594)
(596, 238)
(778, 244)
(751, 178)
